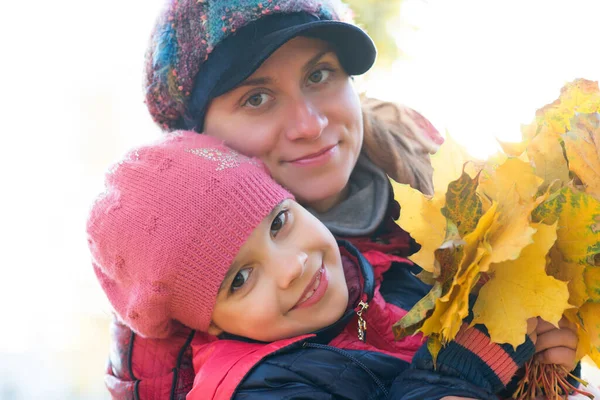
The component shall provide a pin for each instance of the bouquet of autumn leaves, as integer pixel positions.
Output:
(522, 229)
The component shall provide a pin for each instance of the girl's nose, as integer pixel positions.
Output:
(289, 268)
(306, 120)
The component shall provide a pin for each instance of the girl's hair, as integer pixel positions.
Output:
(399, 140)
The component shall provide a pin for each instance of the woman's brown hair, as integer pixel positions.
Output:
(399, 140)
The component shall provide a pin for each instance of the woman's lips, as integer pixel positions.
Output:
(315, 290)
(318, 158)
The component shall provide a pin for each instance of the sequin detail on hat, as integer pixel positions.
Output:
(229, 159)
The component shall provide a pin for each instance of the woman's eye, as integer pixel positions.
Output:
(240, 279)
(319, 76)
(279, 222)
(256, 100)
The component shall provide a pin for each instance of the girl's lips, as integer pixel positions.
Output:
(315, 290)
(319, 158)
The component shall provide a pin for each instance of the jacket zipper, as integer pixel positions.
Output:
(362, 324)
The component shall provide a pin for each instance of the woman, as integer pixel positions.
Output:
(281, 71)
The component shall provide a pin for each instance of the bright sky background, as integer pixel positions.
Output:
(72, 104)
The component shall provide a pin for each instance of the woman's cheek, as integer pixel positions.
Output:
(256, 140)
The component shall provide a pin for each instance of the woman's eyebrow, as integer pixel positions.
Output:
(260, 81)
(265, 80)
(313, 61)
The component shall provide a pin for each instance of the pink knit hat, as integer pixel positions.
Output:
(172, 218)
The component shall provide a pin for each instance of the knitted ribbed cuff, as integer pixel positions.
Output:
(483, 362)
(474, 358)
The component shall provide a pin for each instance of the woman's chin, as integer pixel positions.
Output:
(320, 197)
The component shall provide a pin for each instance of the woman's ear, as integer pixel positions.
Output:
(214, 329)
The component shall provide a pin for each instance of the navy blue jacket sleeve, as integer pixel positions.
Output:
(417, 384)
(322, 373)
(331, 373)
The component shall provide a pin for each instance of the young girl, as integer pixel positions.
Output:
(190, 234)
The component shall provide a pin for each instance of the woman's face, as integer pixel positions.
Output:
(298, 113)
(287, 279)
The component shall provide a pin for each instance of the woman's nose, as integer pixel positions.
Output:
(306, 120)
(289, 268)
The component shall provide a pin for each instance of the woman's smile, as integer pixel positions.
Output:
(317, 158)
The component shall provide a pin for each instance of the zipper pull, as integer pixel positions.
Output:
(362, 324)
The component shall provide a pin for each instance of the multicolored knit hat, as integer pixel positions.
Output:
(170, 223)
(201, 49)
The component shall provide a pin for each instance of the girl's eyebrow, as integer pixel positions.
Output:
(234, 268)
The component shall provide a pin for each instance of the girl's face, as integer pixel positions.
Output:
(287, 280)
(298, 113)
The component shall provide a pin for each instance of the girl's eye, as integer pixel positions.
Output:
(240, 279)
(256, 100)
(319, 76)
(279, 222)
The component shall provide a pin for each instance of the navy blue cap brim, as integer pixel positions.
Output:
(354, 48)
(242, 53)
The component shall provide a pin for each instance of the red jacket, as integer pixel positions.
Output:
(221, 365)
(149, 369)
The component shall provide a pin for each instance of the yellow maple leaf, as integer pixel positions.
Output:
(589, 314)
(463, 205)
(514, 176)
(513, 186)
(546, 154)
(509, 235)
(591, 277)
(520, 289)
(582, 144)
(578, 216)
(513, 149)
(572, 273)
(412, 320)
(583, 343)
(529, 131)
(452, 308)
(434, 345)
(578, 240)
(579, 96)
(421, 216)
(448, 163)
(522, 228)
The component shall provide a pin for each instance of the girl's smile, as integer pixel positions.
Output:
(315, 290)
(287, 276)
